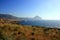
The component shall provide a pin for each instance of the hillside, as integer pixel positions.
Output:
(8, 16)
(10, 30)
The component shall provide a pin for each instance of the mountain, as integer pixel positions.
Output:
(8, 16)
(37, 17)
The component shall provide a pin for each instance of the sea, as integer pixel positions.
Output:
(45, 23)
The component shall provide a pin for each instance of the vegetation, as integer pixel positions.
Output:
(10, 30)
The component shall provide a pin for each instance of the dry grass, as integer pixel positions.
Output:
(9, 30)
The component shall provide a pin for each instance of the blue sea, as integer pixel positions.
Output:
(45, 23)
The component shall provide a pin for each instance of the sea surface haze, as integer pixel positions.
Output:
(46, 23)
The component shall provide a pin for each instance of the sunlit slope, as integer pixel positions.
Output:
(10, 30)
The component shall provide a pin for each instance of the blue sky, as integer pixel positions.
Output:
(47, 9)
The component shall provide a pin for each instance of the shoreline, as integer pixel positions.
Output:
(12, 31)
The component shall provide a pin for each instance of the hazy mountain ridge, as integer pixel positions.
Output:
(8, 16)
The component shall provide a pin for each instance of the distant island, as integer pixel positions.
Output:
(38, 18)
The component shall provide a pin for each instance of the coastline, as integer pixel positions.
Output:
(12, 31)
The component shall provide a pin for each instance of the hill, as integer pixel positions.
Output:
(37, 17)
(10, 30)
(8, 16)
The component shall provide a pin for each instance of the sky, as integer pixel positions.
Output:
(46, 9)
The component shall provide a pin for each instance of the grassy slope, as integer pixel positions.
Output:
(9, 30)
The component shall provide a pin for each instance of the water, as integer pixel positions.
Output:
(45, 23)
